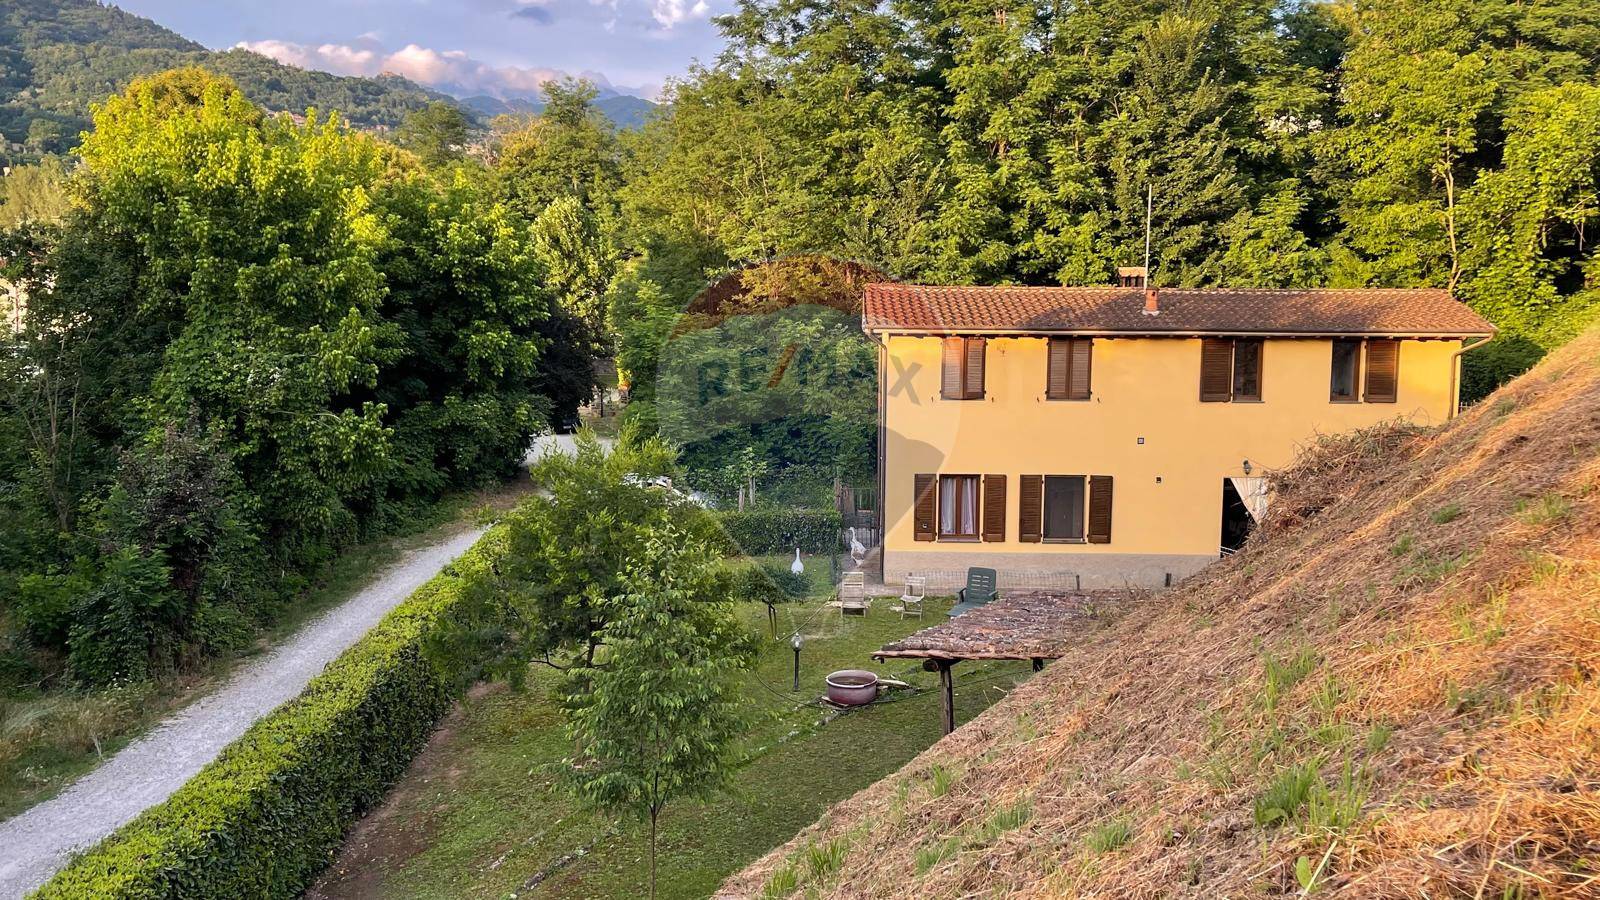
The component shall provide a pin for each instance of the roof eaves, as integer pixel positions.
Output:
(882, 328)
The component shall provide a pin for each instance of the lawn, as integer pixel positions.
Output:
(482, 813)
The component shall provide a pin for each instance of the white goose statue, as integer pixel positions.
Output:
(797, 567)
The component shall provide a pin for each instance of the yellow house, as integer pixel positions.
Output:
(1104, 437)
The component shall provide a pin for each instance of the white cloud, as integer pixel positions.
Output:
(452, 71)
(669, 13)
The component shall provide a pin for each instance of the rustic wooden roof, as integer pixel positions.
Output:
(1023, 625)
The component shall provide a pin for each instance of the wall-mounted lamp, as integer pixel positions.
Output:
(1247, 467)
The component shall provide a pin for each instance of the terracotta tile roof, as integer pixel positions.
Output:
(954, 308)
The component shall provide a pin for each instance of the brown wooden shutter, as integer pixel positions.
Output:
(994, 507)
(1069, 368)
(1100, 509)
(1060, 367)
(1216, 370)
(974, 386)
(1030, 508)
(1383, 370)
(950, 382)
(925, 506)
(1082, 351)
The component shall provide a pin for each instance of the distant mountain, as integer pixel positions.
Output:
(57, 57)
(625, 110)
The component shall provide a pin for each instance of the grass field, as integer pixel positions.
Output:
(481, 813)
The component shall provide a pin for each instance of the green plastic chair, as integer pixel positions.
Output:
(980, 589)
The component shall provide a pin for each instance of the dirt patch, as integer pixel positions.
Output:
(403, 825)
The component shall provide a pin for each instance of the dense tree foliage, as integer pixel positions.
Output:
(35, 193)
(1349, 143)
(250, 343)
(437, 133)
(567, 551)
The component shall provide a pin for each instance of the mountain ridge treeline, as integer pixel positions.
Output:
(59, 57)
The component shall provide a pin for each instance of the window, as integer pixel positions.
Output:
(1068, 377)
(962, 378)
(1063, 507)
(958, 507)
(1378, 380)
(1230, 370)
(1247, 370)
(1346, 371)
(1383, 371)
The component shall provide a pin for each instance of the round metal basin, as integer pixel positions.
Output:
(852, 687)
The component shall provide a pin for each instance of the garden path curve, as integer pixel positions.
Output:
(39, 841)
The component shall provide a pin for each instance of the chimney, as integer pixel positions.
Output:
(1152, 301)
(1132, 276)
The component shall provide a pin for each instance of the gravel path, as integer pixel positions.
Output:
(566, 444)
(37, 842)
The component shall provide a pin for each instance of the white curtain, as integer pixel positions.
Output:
(969, 506)
(1253, 491)
(958, 495)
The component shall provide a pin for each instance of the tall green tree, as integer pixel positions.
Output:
(35, 193)
(657, 722)
(565, 551)
(255, 247)
(438, 133)
(568, 150)
(470, 380)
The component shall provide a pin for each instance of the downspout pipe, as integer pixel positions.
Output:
(1455, 373)
(882, 340)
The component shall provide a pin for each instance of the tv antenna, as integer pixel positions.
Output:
(1149, 204)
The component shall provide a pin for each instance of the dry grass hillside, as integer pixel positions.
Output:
(1391, 693)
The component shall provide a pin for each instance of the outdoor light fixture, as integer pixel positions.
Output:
(1247, 467)
(796, 642)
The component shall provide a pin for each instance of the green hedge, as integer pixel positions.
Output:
(762, 531)
(270, 812)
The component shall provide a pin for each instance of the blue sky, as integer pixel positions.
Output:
(498, 47)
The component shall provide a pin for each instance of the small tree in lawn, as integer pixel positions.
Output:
(656, 721)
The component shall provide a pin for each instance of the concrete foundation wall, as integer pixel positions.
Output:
(947, 571)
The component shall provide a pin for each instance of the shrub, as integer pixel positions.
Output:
(762, 531)
(1109, 836)
(266, 816)
(932, 854)
(761, 582)
(823, 860)
(1286, 795)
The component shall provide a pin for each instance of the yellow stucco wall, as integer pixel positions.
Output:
(1141, 388)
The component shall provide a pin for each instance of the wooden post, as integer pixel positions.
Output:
(947, 689)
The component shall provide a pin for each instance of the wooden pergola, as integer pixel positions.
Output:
(1031, 625)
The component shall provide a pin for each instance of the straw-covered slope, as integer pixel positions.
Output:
(1391, 693)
